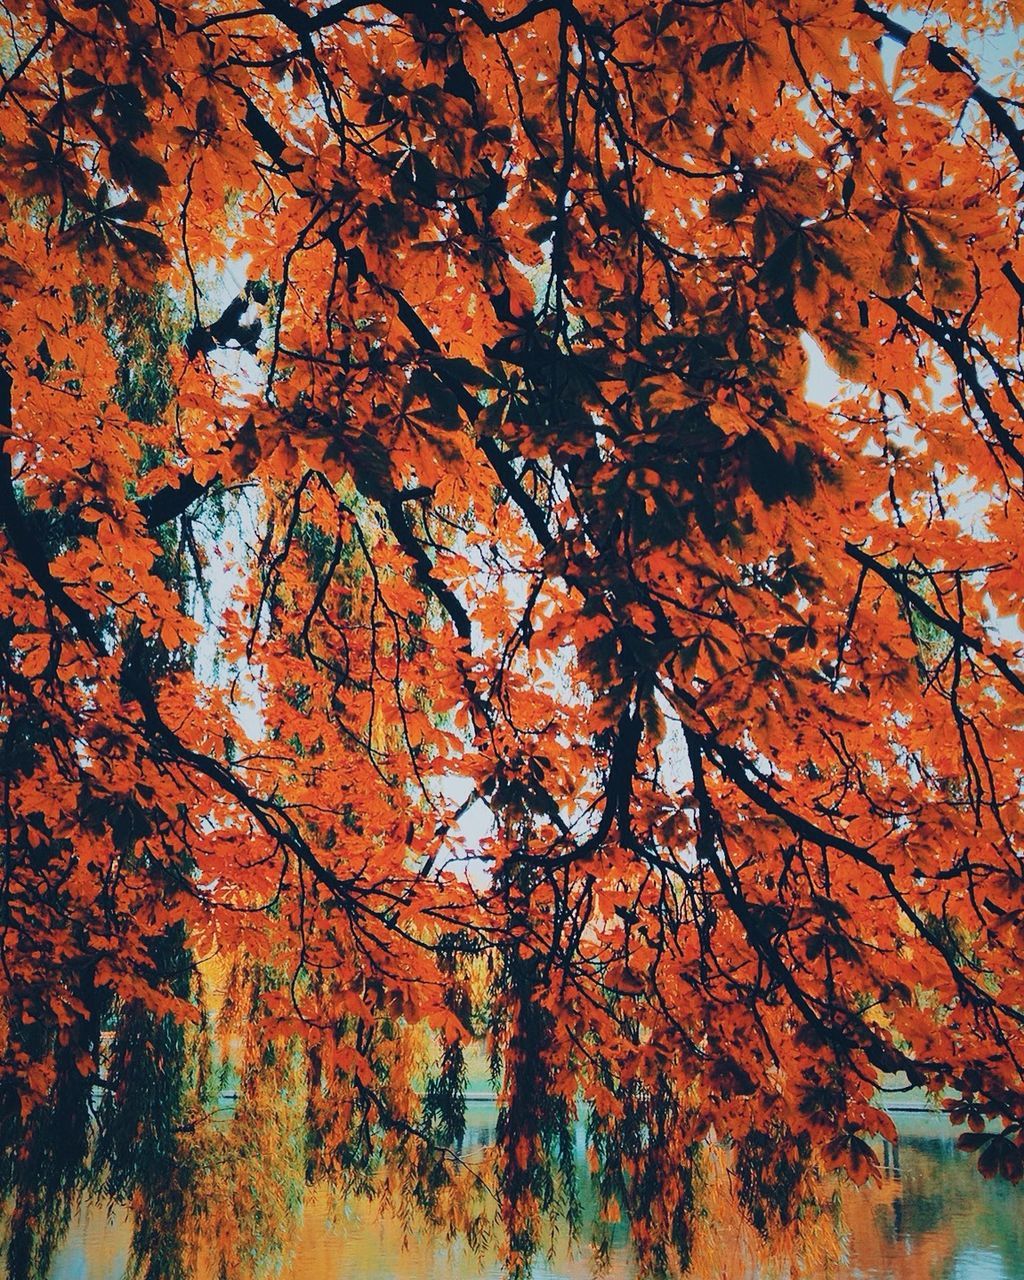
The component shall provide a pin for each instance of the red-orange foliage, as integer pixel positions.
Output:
(514, 479)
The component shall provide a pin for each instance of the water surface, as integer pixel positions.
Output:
(931, 1218)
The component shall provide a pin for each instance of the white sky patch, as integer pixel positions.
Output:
(823, 385)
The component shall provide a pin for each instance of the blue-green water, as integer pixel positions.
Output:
(932, 1217)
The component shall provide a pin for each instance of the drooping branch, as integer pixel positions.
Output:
(23, 541)
(270, 817)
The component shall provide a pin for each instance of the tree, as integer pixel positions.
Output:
(499, 465)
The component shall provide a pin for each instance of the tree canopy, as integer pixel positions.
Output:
(406, 401)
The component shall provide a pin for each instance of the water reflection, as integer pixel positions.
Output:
(932, 1218)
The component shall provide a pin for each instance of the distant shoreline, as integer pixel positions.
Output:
(476, 1095)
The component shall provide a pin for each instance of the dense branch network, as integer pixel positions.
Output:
(499, 470)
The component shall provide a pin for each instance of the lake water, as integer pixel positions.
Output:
(931, 1218)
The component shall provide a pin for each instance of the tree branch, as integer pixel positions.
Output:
(946, 60)
(952, 629)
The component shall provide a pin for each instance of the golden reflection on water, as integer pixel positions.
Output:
(362, 1242)
(933, 1217)
(930, 1218)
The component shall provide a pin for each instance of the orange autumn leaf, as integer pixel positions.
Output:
(510, 525)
